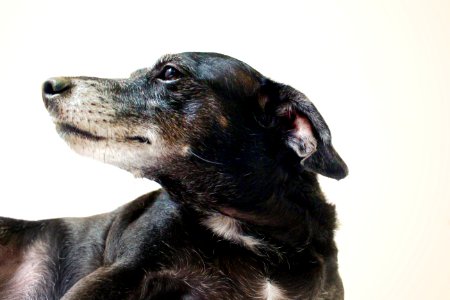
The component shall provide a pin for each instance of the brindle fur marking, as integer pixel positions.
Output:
(240, 216)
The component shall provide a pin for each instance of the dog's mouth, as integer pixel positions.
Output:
(68, 129)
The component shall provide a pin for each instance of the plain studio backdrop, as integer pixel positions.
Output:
(378, 71)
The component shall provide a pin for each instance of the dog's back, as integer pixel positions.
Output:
(241, 215)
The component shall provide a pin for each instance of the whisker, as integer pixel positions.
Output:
(204, 159)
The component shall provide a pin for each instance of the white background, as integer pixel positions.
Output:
(377, 70)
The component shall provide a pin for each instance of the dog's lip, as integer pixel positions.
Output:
(70, 129)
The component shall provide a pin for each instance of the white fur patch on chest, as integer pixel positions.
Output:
(272, 292)
(230, 229)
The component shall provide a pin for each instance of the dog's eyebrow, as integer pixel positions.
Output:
(176, 59)
(166, 59)
(159, 63)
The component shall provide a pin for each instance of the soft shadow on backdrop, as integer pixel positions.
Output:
(377, 70)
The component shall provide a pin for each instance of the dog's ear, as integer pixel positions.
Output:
(303, 128)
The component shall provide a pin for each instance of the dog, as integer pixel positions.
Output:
(240, 214)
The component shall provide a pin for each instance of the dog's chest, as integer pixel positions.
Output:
(255, 285)
(210, 284)
(272, 292)
(243, 277)
(241, 262)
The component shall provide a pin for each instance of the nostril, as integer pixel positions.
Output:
(48, 88)
(55, 86)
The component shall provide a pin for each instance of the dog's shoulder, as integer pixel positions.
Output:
(142, 224)
(157, 205)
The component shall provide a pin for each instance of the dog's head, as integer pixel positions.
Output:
(193, 111)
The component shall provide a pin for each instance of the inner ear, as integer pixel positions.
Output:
(300, 135)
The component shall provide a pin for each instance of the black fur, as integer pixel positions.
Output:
(237, 146)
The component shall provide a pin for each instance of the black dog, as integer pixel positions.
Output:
(241, 215)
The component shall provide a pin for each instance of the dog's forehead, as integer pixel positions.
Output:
(224, 72)
(207, 65)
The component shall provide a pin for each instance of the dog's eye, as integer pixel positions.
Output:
(169, 73)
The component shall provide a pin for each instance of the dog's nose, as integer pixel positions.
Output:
(57, 85)
(54, 86)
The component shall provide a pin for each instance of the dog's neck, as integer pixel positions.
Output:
(280, 211)
(294, 216)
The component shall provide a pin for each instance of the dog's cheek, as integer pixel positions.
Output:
(190, 111)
